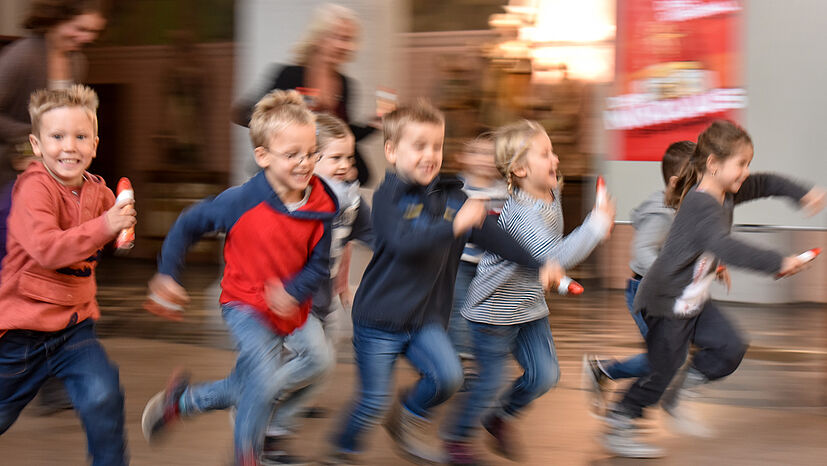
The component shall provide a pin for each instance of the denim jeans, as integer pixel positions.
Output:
(76, 357)
(457, 325)
(429, 351)
(283, 420)
(260, 374)
(638, 365)
(532, 346)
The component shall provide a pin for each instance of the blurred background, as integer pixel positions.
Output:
(612, 81)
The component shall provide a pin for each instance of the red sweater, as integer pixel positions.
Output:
(54, 242)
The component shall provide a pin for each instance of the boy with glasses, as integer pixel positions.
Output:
(277, 252)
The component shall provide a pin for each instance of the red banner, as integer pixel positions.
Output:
(678, 68)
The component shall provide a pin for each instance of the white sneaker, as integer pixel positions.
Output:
(622, 438)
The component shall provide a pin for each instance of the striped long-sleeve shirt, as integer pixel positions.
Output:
(505, 293)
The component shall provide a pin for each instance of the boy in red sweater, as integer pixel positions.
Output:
(60, 219)
(276, 253)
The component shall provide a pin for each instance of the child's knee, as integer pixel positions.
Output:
(449, 377)
(102, 395)
(731, 355)
(543, 380)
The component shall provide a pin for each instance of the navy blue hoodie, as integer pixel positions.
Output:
(410, 280)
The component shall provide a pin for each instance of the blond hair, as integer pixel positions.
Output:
(511, 143)
(330, 128)
(276, 111)
(421, 111)
(76, 95)
(324, 19)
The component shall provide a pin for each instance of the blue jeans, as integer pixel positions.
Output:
(76, 357)
(283, 421)
(429, 351)
(532, 346)
(457, 325)
(635, 366)
(260, 375)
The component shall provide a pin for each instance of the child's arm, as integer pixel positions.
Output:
(532, 233)
(649, 238)
(341, 286)
(210, 215)
(362, 228)
(403, 235)
(491, 237)
(33, 223)
(712, 230)
(760, 185)
(307, 281)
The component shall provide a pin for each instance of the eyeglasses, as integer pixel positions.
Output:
(295, 157)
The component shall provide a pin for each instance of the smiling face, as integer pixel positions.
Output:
(418, 154)
(66, 143)
(337, 159)
(288, 160)
(72, 35)
(537, 172)
(731, 172)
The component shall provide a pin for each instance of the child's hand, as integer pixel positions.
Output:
(607, 211)
(121, 215)
(813, 201)
(279, 300)
(550, 275)
(722, 275)
(164, 292)
(346, 298)
(470, 215)
(791, 265)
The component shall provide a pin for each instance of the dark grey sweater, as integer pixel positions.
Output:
(677, 284)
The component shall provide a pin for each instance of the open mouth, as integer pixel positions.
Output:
(69, 163)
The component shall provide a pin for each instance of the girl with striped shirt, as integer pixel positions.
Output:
(505, 306)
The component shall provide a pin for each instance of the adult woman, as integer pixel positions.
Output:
(329, 42)
(49, 58)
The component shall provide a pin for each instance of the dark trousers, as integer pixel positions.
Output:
(73, 355)
(719, 351)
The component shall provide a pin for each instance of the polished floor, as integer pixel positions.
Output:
(773, 410)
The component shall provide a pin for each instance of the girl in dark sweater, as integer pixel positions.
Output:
(674, 296)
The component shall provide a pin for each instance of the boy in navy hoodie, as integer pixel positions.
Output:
(277, 254)
(421, 224)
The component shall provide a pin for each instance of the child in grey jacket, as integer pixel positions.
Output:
(674, 295)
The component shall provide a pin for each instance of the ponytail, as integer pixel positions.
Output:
(719, 139)
(689, 176)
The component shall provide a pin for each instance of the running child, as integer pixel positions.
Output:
(421, 224)
(674, 295)
(651, 219)
(506, 308)
(61, 218)
(276, 252)
(480, 180)
(336, 146)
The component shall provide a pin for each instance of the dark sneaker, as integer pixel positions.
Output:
(410, 435)
(461, 454)
(595, 381)
(274, 454)
(622, 438)
(162, 409)
(504, 441)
